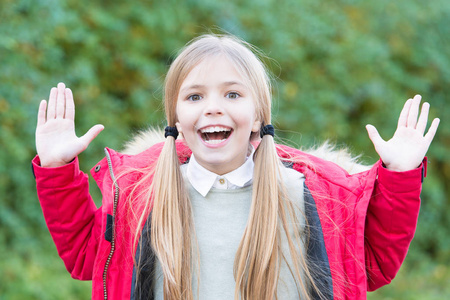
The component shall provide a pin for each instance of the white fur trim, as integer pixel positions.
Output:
(143, 140)
(340, 156)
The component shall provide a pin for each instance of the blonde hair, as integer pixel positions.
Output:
(258, 258)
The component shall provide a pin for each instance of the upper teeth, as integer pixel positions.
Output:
(214, 129)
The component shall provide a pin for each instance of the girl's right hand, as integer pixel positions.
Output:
(56, 141)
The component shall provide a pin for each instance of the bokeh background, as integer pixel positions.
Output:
(337, 65)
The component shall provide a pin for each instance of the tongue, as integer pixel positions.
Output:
(215, 135)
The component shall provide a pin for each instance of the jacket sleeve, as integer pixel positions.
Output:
(72, 218)
(391, 223)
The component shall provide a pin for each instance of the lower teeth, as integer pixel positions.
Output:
(214, 141)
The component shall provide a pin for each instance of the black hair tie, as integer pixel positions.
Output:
(268, 129)
(171, 131)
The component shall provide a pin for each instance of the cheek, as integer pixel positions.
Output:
(185, 119)
(249, 115)
(179, 119)
(177, 111)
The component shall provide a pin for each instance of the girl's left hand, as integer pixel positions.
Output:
(407, 148)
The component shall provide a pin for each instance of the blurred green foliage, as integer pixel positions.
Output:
(337, 65)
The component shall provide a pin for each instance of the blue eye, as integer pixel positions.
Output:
(194, 97)
(233, 95)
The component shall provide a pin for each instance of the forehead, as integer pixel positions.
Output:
(214, 70)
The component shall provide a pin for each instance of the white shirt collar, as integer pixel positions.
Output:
(204, 180)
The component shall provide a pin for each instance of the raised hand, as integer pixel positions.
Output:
(56, 141)
(407, 148)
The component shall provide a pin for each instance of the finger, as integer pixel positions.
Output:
(414, 111)
(91, 134)
(41, 113)
(51, 107)
(432, 131)
(423, 118)
(60, 100)
(374, 135)
(70, 105)
(402, 120)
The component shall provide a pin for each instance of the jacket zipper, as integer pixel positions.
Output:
(116, 200)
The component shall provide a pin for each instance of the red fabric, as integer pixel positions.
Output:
(368, 219)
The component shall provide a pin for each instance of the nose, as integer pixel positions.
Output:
(214, 106)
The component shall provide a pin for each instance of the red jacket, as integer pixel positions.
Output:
(362, 224)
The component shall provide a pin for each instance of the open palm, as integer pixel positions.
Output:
(56, 141)
(407, 148)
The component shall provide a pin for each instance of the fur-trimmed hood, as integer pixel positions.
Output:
(340, 156)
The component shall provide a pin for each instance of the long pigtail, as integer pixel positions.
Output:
(171, 224)
(257, 262)
(258, 259)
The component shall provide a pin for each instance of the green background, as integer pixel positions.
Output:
(337, 66)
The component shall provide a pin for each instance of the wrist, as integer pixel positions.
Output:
(399, 168)
(52, 164)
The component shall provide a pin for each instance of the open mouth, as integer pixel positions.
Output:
(215, 134)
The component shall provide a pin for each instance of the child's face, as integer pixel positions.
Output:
(216, 114)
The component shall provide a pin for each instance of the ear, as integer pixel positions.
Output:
(256, 126)
(178, 125)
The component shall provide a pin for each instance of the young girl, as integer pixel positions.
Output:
(224, 212)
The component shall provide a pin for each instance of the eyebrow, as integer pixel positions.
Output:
(224, 84)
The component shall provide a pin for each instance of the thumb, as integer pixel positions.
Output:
(92, 134)
(374, 135)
